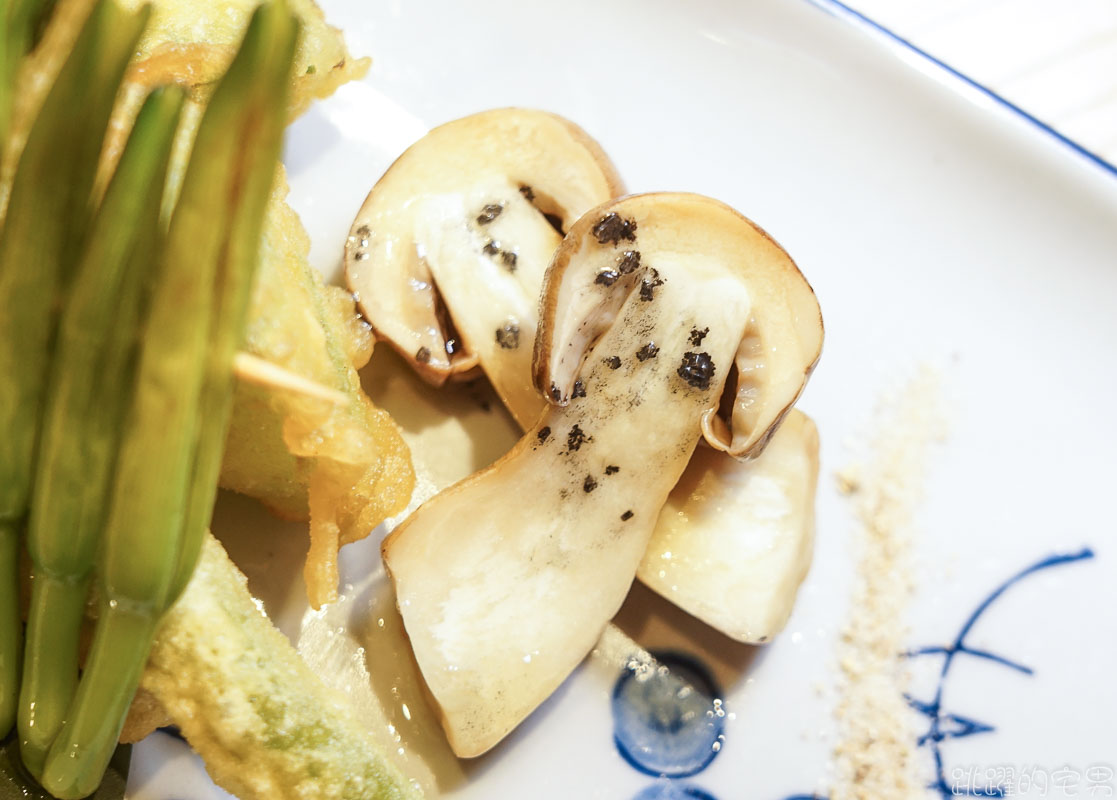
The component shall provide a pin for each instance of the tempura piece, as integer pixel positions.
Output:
(192, 42)
(346, 467)
(264, 723)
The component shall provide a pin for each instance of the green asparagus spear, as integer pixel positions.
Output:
(17, 784)
(11, 639)
(17, 24)
(48, 211)
(89, 390)
(206, 266)
(261, 93)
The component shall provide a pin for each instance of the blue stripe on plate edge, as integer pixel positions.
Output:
(840, 9)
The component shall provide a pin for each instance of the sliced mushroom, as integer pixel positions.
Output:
(506, 580)
(447, 254)
(475, 295)
(782, 342)
(768, 386)
(733, 543)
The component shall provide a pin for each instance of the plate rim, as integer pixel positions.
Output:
(894, 41)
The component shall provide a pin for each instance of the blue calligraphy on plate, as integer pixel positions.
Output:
(942, 724)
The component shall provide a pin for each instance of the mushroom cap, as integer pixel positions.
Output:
(449, 197)
(783, 337)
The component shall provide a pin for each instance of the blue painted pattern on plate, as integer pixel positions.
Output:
(673, 790)
(668, 721)
(943, 725)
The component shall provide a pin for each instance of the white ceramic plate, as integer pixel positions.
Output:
(938, 226)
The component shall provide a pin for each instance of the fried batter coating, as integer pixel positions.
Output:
(264, 724)
(193, 42)
(346, 467)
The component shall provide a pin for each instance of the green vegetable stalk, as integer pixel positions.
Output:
(166, 465)
(17, 784)
(11, 634)
(48, 211)
(17, 26)
(255, 94)
(88, 395)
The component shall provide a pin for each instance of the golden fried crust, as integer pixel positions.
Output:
(145, 715)
(266, 727)
(346, 468)
(192, 42)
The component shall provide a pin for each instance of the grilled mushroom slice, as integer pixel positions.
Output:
(734, 540)
(506, 579)
(447, 254)
(767, 386)
(481, 299)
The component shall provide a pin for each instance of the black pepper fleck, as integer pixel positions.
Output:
(490, 212)
(589, 484)
(613, 362)
(607, 277)
(579, 390)
(650, 350)
(696, 336)
(697, 369)
(612, 228)
(556, 395)
(544, 434)
(364, 231)
(491, 248)
(628, 261)
(576, 438)
(508, 336)
(509, 258)
(626, 516)
(649, 284)
(612, 469)
(528, 194)
(423, 355)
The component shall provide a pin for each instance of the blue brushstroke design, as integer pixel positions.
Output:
(668, 723)
(673, 790)
(943, 725)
